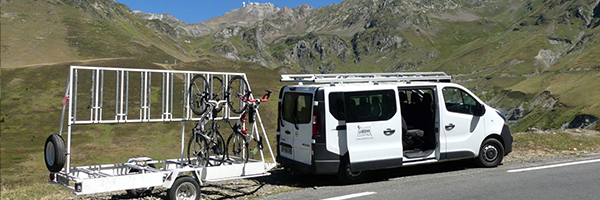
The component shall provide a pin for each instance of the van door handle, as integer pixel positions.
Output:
(288, 132)
(340, 127)
(389, 131)
(450, 126)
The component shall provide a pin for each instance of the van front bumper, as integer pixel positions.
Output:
(507, 138)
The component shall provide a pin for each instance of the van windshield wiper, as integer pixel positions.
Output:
(296, 122)
(296, 115)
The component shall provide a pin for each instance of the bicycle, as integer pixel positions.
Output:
(239, 141)
(207, 145)
(204, 97)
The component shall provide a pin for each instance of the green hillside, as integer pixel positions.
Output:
(55, 31)
(31, 108)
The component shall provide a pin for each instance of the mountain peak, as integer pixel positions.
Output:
(246, 15)
(167, 18)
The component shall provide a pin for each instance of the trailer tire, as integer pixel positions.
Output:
(347, 176)
(490, 153)
(140, 192)
(184, 187)
(55, 153)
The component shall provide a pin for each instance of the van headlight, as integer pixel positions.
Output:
(502, 115)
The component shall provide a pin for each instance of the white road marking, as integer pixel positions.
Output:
(553, 166)
(349, 196)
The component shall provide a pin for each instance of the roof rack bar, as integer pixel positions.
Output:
(367, 77)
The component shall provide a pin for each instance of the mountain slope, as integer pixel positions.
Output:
(516, 54)
(510, 52)
(245, 16)
(35, 32)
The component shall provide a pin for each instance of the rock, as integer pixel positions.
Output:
(224, 34)
(227, 51)
(582, 121)
(303, 55)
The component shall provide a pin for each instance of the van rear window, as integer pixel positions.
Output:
(297, 107)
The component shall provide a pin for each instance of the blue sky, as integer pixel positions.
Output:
(192, 11)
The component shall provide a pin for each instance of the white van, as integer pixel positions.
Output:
(348, 124)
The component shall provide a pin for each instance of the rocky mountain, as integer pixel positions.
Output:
(535, 59)
(245, 16)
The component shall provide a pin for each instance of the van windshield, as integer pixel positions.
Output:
(297, 107)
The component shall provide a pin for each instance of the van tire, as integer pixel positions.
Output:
(491, 153)
(348, 177)
(55, 153)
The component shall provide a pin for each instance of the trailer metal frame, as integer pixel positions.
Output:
(137, 172)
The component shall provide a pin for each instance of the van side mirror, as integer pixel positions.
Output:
(479, 110)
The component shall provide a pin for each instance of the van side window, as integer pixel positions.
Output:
(297, 107)
(419, 112)
(459, 101)
(370, 105)
(336, 105)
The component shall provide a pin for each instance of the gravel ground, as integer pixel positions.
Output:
(280, 181)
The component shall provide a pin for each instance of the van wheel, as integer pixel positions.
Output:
(54, 153)
(348, 176)
(490, 153)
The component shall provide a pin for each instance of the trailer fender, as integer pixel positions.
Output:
(176, 173)
(171, 177)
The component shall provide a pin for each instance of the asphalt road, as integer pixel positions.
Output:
(457, 180)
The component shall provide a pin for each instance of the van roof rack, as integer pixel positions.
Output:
(367, 77)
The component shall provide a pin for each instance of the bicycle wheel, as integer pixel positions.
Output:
(254, 148)
(237, 88)
(196, 151)
(237, 148)
(198, 87)
(218, 91)
(216, 149)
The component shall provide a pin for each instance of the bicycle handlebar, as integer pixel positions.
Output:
(264, 98)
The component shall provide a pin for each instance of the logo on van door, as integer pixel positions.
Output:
(364, 132)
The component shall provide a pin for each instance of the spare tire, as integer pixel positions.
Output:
(54, 153)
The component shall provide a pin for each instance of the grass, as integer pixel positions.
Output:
(37, 99)
(557, 140)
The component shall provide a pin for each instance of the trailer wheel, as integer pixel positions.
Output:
(140, 192)
(54, 153)
(184, 188)
(348, 176)
(490, 153)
